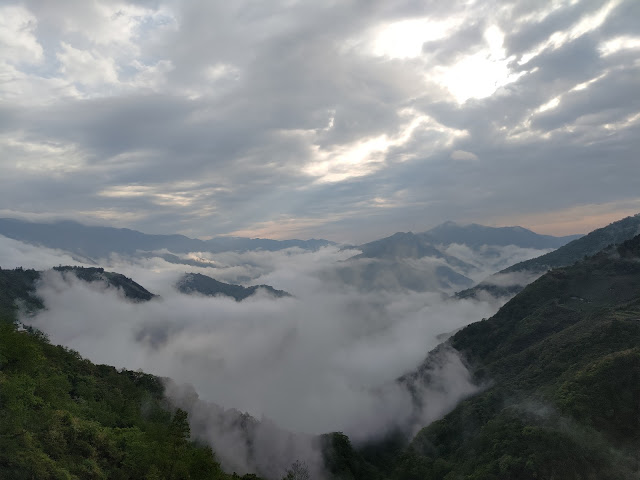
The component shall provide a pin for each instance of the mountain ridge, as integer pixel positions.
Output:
(198, 283)
(590, 244)
(99, 241)
(475, 235)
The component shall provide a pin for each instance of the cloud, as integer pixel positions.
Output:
(14, 254)
(324, 360)
(18, 43)
(85, 67)
(314, 113)
(464, 156)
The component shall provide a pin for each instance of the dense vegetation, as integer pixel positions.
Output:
(62, 417)
(561, 367)
(198, 283)
(17, 289)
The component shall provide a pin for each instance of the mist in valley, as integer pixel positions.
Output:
(325, 359)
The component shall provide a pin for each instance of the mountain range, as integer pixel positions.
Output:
(94, 243)
(422, 261)
(475, 236)
(419, 262)
(557, 367)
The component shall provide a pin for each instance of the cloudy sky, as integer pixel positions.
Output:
(347, 120)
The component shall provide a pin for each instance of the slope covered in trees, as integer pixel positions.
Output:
(131, 289)
(18, 286)
(62, 417)
(560, 364)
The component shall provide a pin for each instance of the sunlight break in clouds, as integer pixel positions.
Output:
(481, 74)
(367, 156)
(405, 39)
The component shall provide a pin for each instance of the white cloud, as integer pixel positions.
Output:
(405, 38)
(87, 68)
(584, 25)
(18, 42)
(311, 363)
(300, 109)
(618, 44)
(463, 156)
(14, 254)
(367, 156)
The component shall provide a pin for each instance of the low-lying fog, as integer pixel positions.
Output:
(322, 360)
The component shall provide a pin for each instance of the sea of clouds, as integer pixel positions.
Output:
(326, 359)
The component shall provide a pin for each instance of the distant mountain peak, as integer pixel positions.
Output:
(476, 235)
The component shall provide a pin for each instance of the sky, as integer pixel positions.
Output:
(347, 120)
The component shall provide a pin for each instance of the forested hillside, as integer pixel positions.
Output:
(62, 417)
(560, 364)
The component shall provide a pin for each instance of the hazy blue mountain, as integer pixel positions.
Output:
(431, 243)
(418, 275)
(98, 242)
(498, 284)
(408, 245)
(475, 236)
(401, 260)
(198, 283)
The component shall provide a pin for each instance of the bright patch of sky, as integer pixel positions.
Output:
(406, 38)
(481, 74)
